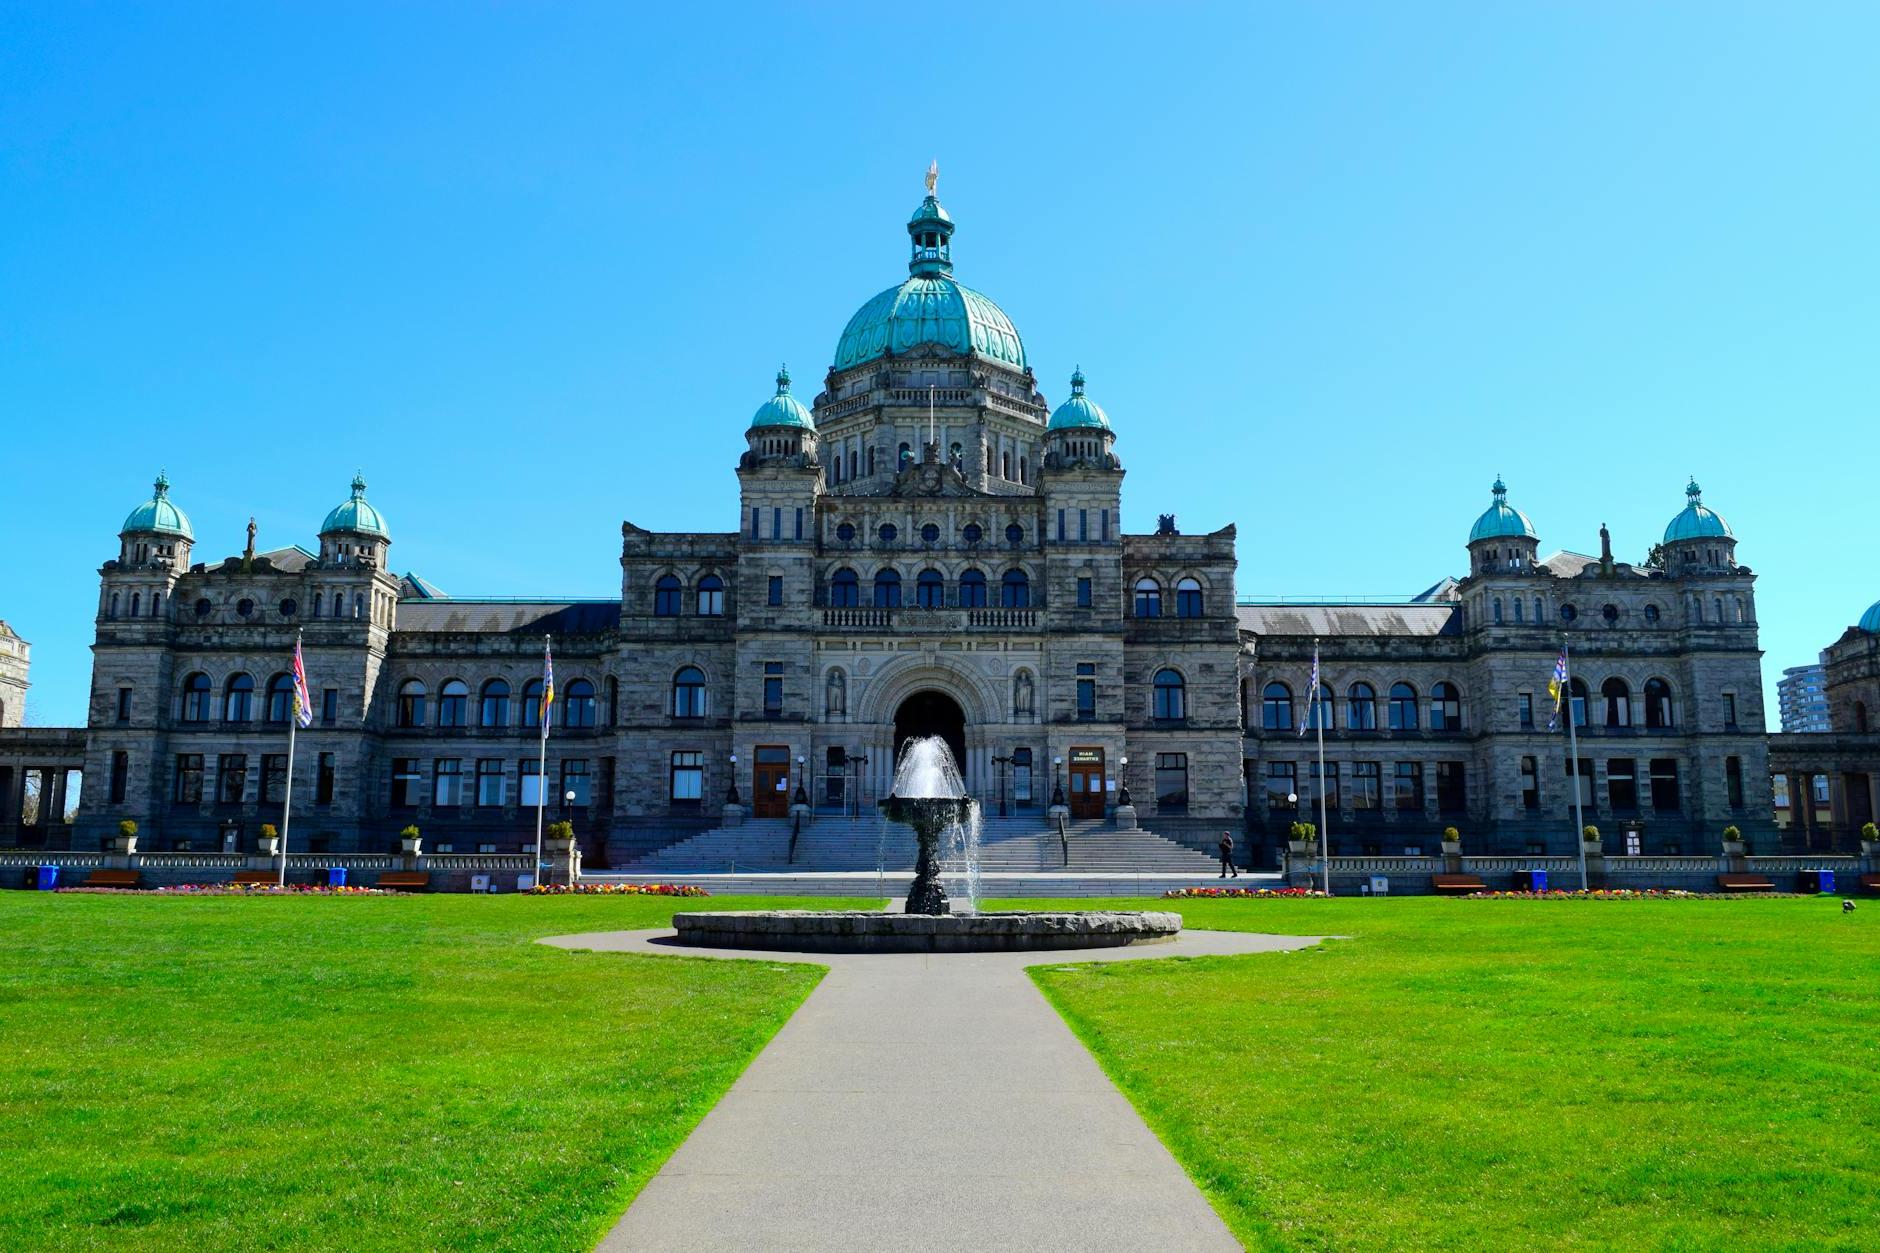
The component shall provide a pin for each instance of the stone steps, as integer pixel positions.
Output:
(893, 884)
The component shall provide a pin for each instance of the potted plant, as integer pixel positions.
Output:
(1302, 838)
(268, 840)
(559, 837)
(410, 841)
(1733, 843)
(1452, 842)
(1590, 842)
(127, 836)
(1870, 839)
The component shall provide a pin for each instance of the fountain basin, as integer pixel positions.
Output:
(853, 931)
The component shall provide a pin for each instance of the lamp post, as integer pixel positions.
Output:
(802, 796)
(1122, 782)
(855, 793)
(1057, 781)
(731, 793)
(1002, 763)
(567, 803)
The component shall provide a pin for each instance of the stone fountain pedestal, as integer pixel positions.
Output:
(929, 816)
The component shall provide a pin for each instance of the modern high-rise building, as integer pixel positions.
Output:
(1802, 696)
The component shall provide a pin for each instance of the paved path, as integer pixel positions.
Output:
(923, 1101)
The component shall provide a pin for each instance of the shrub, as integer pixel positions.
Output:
(127, 828)
(1589, 832)
(269, 831)
(1868, 831)
(1732, 833)
(1302, 831)
(409, 833)
(1452, 835)
(561, 830)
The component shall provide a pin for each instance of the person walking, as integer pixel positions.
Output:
(1227, 856)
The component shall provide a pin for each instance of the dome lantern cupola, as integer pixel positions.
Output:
(781, 427)
(1502, 539)
(355, 530)
(156, 529)
(782, 409)
(1870, 621)
(931, 231)
(1079, 430)
(1698, 538)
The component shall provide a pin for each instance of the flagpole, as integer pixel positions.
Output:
(1325, 838)
(1573, 750)
(541, 778)
(287, 807)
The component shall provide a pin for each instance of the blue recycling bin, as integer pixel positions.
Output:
(1817, 881)
(336, 876)
(1537, 880)
(48, 878)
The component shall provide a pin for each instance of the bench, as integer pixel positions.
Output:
(112, 879)
(258, 876)
(1457, 883)
(1744, 883)
(406, 880)
(1870, 883)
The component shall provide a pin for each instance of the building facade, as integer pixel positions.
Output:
(1838, 767)
(928, 547)
(1802, 697)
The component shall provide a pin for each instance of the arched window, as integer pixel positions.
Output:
(196, 698)
(317, 598)
(137, 605)
(1518, 604)
(1024, 474)
(1014, 534)
(1319, 712)
(1659, 714)
(359, 605)
(845, 589)
(973, 589)
(1495, 605)
(493, 708)
(531, 706)
(688, 693)
(453, 704)
(114, 606)
(871, 461)
(1361, 707)
(1576, 696)
(280, 704)
(956, 455)
(1445, 707)
(613, 701)
(1171, 696)
(1860, 715)
(1188, 598)
(1024, 694)
(906, 456)
(711, 597)
(1403, 707)
(930, 590)
(836, 695)
(1276, 711)
(1148, 598)
(887, 588)
(1015, 590)
(238, 700)
(1540, 615)
(156, 604)
(666, 590)
(1005, 466)
(410, 711)
(1617, 700)
(577, 709)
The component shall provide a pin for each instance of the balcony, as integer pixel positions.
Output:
(940, 621)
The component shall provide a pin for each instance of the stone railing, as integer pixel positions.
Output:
(53, 857)
(1661, 865)
(190, 861)
(940, 395)
(351, 861)
(479, 862)
(1789, 865)
(982, 618)
(1377, 865)
(1507, 865)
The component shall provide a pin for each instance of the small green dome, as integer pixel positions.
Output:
(1079, 410)
(159, 515)
(1695, 521)
(1870, 621)
(356, 516)
(1501, 520)
(783, 409)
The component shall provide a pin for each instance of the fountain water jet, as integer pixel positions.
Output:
(927, 795)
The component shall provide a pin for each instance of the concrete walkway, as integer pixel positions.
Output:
(923, 1101)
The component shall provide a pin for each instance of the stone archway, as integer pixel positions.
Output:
(932, 712)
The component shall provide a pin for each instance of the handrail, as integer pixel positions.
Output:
(1064, 840)
(796, 827)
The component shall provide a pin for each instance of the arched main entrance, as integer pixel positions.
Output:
(932, 713)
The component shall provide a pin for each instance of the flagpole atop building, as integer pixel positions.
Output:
(1325, 837)
(1573, 751)
(541, 768)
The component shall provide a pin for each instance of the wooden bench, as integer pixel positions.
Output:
(112, 879)
(1870, 883)
(1457, 883)
(406, 880)
(1744, 883)
(258, 876)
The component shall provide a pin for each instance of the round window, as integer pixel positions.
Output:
(1015, 534)
(1610, 613)
(888, 532)
(973, 533)
(244, 607)
(1568, 613)
(289, 607)
(846, 533)
(203, 607)
(1651, 613)
(930, 534)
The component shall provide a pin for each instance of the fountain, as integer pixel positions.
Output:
(927, 795)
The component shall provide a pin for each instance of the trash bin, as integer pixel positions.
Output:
(1816, 881)
(336, 876)
(48, 878)
(1825, 882)
(1537, 880)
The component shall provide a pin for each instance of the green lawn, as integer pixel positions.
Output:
(1466, 1074)
(352, 1073)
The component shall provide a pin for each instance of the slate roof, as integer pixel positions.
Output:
(509, 617)
(1334, 620)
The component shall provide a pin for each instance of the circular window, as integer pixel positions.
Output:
(203, 607)
(888, 532)
(1651, 613)
(289, 607)
(244, 607)
(1015, 534)
(1609, 612)
(930, 534)
(973, 533)
(846, 533)
(1568, 613)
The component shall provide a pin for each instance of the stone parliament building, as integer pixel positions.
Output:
(927, 547)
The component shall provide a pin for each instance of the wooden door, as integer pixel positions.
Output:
(770, 782)
(1086, 771)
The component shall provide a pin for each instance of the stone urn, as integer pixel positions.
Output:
(1301, 848)
(410, 845)
(126, 844)
(1593, 848)
(1735, 848)
(268, 845)
(556, 848)
(1452, 848)
(1868, 848)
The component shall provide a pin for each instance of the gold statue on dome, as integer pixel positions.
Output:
(933, 175)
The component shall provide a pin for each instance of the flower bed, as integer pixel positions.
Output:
(233, 889)
(617, 889)
(1628, 894)
(1178, 894)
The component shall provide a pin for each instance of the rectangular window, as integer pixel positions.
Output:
(1409, 778)
(1586, 779)
(447, 782)
(799, 522)
(773, 689)
(1330, 791)
(324, 780)
(1171, 782)
(33, 798)
(1083, 525)
(120, 776)
(1282, 785)
(273, 778)
(1665, 796)
(755, 515)
(188, 789)
(1104, 527)
(329, 706)
(1733, 782)
(1525, 702)
(1060, 526)
(231, 785)
(1622, 785)
(124, 704)
(74, 788)
(688, 778)
(574, 778)
(1729, 710)
(492, 782)
(1530, 783)
(1366, 784)
(1452, 790)
(1021, 776)
(531, 793)
(776, 522)
(407, 782)
(1086, 691)
(773, 591)
(1083, 593)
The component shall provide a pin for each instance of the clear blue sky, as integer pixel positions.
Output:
(1329, 267)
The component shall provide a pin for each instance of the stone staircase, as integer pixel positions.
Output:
(837, 844)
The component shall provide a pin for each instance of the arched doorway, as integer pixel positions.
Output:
(932, 713)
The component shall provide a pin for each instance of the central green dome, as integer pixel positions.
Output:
(931, 307)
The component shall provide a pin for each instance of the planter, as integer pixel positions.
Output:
(557, 848)
(1301, 848)
(411, 848)
(1452, 848)
(125, 844)
(1735, 848)
(1870, 848)
(268, 846)
(1593, 848)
